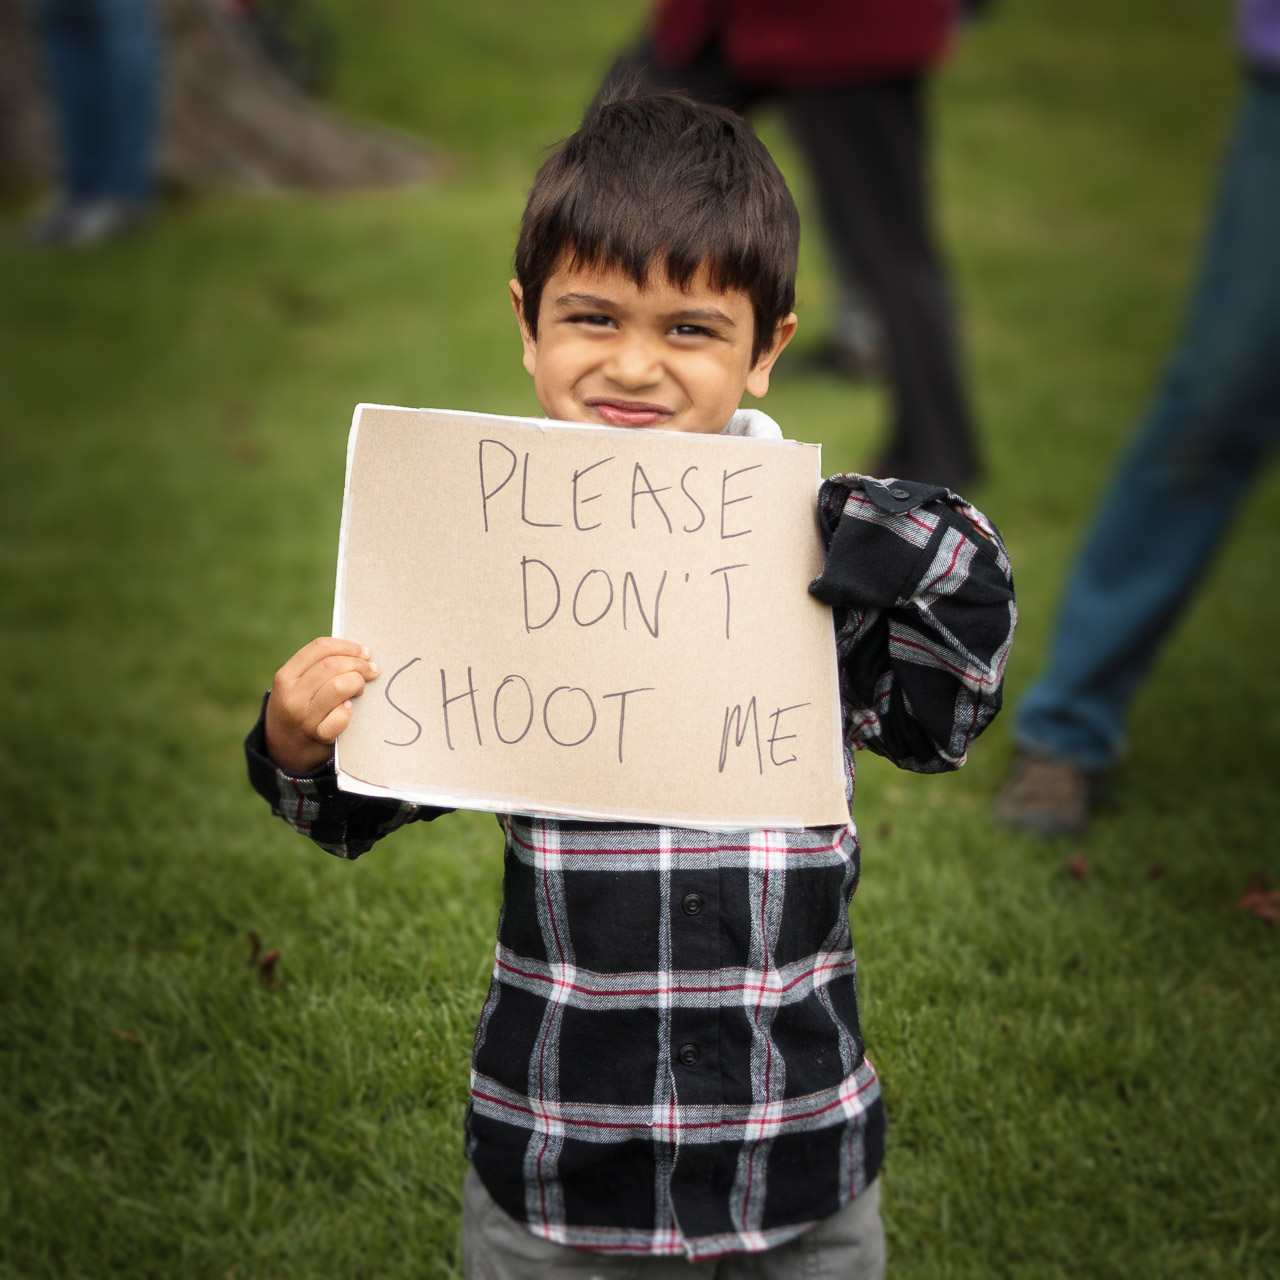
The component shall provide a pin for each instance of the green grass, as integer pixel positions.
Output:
(1080, 1073)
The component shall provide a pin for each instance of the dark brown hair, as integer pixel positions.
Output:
(657, 177)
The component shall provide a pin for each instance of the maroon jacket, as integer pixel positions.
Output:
(776, 43)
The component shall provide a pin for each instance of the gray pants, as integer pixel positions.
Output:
(847, 1246)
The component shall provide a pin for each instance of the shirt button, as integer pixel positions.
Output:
(901, 494)
(689, 1054)
(692, 904)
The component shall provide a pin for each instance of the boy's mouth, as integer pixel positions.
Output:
(629, 413)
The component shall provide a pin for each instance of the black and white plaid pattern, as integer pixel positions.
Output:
(669, 1059)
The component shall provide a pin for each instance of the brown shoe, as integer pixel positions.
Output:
(1047, 795)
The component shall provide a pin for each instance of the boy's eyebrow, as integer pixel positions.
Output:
(705, 313)
(604, 304)
(584, 300)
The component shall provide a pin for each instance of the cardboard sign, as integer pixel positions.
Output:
(586, 621)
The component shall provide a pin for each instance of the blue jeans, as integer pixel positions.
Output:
(1207, 434)
(102, 64)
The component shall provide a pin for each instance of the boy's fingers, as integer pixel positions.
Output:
(323, 647)
(333, 667)
(349, 684)
(298, 695)
(311, 693)
(334, 723)
(327, 699)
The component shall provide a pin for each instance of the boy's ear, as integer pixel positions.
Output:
(530, 343)
(758, 378)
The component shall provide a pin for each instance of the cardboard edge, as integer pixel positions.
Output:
(838, 751)
(559, 424)
(340, 575)
(488, 802)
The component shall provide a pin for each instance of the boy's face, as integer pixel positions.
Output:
(611, 353)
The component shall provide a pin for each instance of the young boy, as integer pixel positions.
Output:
(668, 1075)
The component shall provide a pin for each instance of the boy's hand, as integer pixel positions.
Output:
(310, 702)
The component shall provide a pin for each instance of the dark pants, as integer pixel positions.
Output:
(867, 147)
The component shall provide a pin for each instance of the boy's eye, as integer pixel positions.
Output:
(691, 331)
(591, 319)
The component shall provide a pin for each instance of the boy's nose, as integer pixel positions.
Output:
(634, 363)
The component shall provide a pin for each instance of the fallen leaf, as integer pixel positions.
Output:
(267, 968)
(131, 1036)
(1261, 903)
(1077, 866)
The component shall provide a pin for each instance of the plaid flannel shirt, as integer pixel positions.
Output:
(669, 1059)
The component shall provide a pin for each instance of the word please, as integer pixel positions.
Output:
(564, 502)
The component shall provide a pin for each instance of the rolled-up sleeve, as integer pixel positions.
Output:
(922, 594)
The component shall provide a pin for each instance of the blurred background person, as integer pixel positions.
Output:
(851, 81)
(1211, 426)
(101, 65)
